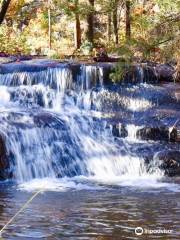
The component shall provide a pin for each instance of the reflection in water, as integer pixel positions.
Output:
(107, 213)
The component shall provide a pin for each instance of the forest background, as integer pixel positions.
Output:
(142, 29)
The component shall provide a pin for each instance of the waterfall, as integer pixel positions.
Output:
(90, 76)
(48, 132)
(132, 132)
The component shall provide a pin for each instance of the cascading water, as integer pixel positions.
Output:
(132, 132)
(99, 152)
(49, 133)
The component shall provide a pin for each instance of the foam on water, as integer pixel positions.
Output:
(54, 184)
(93, 183)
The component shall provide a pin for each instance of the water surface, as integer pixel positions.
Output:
(80, 209)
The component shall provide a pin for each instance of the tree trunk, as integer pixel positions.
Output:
(4, 8)
(77, 32)
(77, 27)
(115, 21)
(128, 20)
(109, 30)
(90, 23)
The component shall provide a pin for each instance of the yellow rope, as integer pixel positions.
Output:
(20, 210)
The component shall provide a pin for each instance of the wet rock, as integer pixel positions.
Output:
(153, 133)
(76, 71)
(115, 131)
(49, 120)
(141, 73)
(119, 130)
(24, 58)
(107, 69)
(170, 162)
(149, 73)
(133, 75)
(175, 135)
(4, 163)
(28, 96)
(165, 72)
(156, 132)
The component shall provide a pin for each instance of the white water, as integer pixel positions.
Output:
(83, 148)
(54, 184)
(105, 97)
(132, 132)
(91, 75)
(138, 104)
(144, 183)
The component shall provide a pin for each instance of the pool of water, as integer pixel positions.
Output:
(90, 209)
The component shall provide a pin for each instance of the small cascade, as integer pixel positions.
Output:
(47, 92)
(51, 77)
(140, 71)
(106, 99)
(88, 77)
(64, 81)
(84, 100)
(74, 146)
(132, 132)
(101, 76)
(44, 151)
(138, 104)
(23, 78)
(61, 78)
(91, 76)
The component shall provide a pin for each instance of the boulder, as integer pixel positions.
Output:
(165, 72)
(45, 119)
(170, 162)
(153, 133)
(119, 130)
